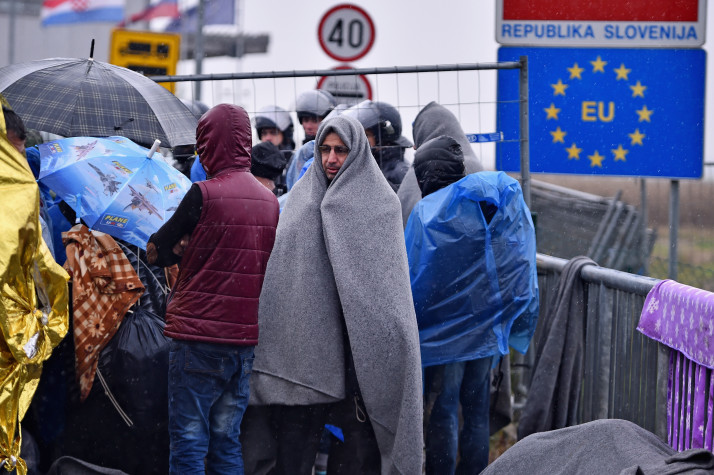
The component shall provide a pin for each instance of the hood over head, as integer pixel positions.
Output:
(438, 163)
(224, 138)
(352, 134)
(432, 121)
(435, 120)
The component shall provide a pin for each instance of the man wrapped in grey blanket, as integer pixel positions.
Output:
(336, 307)
(605, 446)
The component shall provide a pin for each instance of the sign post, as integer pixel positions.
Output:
(346, 89)
(346, 32)
(152, 54)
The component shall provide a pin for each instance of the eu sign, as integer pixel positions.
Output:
(628, 112)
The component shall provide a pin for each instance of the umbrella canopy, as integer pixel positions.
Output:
(113, 185)
(83, 97)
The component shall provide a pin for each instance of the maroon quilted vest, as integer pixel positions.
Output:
(221, 272)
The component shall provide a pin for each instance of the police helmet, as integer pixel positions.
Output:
(198, 108)
(277, 118)
(382, 119)
(315, 103)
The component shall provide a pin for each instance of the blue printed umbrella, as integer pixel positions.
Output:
(113, 184)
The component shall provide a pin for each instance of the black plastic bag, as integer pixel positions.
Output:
(134, 368)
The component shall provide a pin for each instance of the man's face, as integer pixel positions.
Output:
(310, 124)
(16, 141)
(370, 137)
(333, 152)
(271, 134)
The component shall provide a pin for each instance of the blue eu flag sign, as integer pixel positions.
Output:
(598, 111)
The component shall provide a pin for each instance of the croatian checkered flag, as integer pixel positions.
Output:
(59, 12)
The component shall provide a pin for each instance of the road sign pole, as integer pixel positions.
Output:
(198, 47)
(673, 228)
(645, 248)
(525, 158)
(11, 31)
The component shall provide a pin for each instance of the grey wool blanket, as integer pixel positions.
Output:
(558, 368)
(605, 446)
(432, 121)
(339, 251)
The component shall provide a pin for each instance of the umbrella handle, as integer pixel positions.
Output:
(154, 148)
(79, 207)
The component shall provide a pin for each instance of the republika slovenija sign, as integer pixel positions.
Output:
(615, 23)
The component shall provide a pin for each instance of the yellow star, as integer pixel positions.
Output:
(596, 159)
(575, 71)
(622, 72)
(638, 90)
(573, 152)
(552, 112)
(636, 137)
(559, 88)
(644, 114)
(598, 65)
(620, 153)
(558, 135)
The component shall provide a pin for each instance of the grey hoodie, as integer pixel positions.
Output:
(432, 121)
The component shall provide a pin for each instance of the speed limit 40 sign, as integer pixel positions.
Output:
(346, 32)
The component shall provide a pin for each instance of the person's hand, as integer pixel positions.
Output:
(181, 246)
(151, 253)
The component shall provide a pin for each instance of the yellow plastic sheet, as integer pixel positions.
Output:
(31, 327)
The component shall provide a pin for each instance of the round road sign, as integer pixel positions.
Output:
(346, 89)
(346, 32)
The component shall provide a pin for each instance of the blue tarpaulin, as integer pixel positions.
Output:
(474, 283)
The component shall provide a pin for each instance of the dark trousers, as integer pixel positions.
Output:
(465, 383)
(282, 440)
(359, 453)
(298, 437)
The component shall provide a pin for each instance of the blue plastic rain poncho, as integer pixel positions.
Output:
(283, 199)
(302, 155)
(474, 284)
(197, 172)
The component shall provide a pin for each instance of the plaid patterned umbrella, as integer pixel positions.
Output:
(83, 97)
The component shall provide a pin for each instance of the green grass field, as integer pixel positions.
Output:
(695, 262)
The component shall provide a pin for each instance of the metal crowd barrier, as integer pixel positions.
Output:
(625, 373)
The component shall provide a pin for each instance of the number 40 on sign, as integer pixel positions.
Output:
(346, 32)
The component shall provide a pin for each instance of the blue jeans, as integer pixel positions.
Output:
(208, 394)
(466, 382)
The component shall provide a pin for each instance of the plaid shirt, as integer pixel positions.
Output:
(104, 287)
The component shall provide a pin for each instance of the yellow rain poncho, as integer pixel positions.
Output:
(31, 326)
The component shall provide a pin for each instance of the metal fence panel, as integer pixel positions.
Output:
(622, 368)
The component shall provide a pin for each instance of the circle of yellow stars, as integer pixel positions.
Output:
(636, 137)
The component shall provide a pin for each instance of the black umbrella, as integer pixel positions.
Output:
(83, 97)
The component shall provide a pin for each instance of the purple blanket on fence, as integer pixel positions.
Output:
(682, 317)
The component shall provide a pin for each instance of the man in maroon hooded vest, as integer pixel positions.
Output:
(222, 232)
